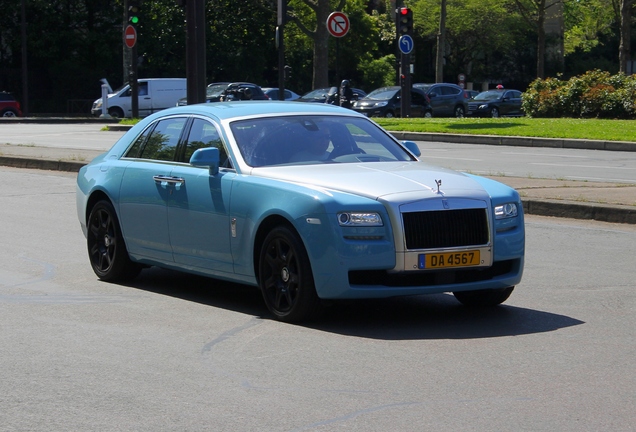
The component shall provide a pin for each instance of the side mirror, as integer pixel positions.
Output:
(432, 95)
(412, 147)
(206, 158)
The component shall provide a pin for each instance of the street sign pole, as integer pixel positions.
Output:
(281, 20)
(130, 39)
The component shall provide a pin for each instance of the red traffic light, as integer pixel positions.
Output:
(404, 11)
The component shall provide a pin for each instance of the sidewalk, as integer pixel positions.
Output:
(609, 202)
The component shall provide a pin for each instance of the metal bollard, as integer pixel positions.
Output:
(104, 102)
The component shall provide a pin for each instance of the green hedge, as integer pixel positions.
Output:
(596, 94)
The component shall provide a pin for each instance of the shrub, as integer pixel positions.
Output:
(594, 94)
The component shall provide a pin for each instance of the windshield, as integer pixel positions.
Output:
(314, 139)
(488, 95)
(383, 93)
(316, 94)
(215, 90)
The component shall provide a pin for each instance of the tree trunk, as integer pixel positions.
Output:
(441, 45)
(541, 39)
(321, 46)
(625, 45)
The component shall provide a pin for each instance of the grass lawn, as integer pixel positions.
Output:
(608, 130)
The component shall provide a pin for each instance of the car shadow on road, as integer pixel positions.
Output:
(433, 317)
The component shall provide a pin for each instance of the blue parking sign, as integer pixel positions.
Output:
(406, 44)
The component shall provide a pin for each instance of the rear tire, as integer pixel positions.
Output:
(285, 277)
(9, 112)
(389, 114)
(483, 298)
(106, 247)
(459, 111)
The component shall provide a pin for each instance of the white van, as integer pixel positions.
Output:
(155, 94)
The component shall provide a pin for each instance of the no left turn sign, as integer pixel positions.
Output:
(338, 24)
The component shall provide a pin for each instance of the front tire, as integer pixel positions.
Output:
(285, 277)
(106, 247)
(483, 298)
(494, 113)
(116, 112)
(389, 114)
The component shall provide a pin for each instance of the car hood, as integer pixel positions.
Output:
(388, 181)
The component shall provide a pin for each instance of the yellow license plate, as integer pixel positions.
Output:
(449, 259)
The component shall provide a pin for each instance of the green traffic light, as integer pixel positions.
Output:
(134, 19)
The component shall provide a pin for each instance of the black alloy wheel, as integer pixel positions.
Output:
(106, 247)
(285, 277)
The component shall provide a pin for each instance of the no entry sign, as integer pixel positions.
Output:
(130, 36)
(338, 24)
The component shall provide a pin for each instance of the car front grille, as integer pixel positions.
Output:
(473, 106)
(445, 228)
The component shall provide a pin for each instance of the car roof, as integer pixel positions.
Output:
(232, 110)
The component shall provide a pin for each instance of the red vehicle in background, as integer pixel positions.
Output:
(9, 107)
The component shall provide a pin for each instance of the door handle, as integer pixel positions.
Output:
(168, 179)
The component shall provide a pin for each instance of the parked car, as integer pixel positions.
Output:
(496, 103)
(328, 95)
(272, 93)
(154, 94)
(9, 107)
(447, 100)
(242, 91)
(216, 190)
(386, 102)
(212, 93)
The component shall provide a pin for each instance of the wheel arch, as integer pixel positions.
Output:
(94, 198)
(264, 228)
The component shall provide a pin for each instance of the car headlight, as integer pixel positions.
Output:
(359, 219)
(381, 104)
(98, 104)
(483, 106)
(508, 210)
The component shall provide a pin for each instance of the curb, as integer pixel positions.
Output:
(572, 210)
(517, 141)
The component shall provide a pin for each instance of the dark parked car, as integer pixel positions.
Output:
(386, 102)
(9, 107)
(496, 103)
(272, 93)
(328, 95)
(243, 91)
(212, 93)
(447, 100)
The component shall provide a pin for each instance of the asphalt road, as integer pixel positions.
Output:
(512, 161)
(172, 352)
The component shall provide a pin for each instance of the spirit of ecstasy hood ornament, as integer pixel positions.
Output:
(438, 183)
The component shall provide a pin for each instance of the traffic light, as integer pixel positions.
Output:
(288, 72)
(404, 19)
(133, 12)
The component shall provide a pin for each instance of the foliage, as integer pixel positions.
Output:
(487, 40)
(593, 94)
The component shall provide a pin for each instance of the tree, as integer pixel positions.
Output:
(534, 11)
(310, 16)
